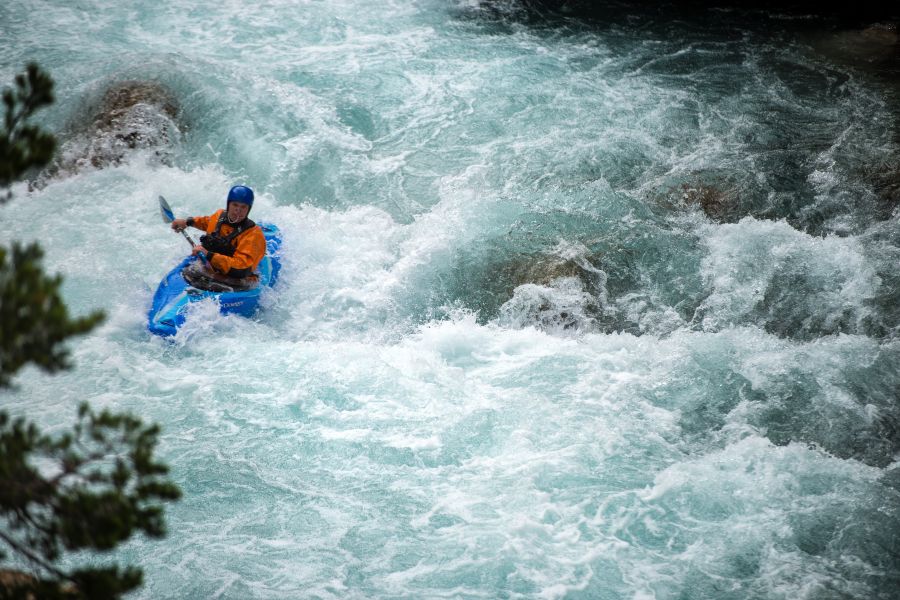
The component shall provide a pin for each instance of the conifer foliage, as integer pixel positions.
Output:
(24, 146)
(96, 486)
(34, 320)
(88, 489)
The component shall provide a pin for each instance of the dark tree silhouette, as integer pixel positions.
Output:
(87, 489)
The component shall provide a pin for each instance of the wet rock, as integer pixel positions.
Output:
(563, 306)
(18, 584)
(562, 293)
(540, 270)
(875, 43)
(874, 48)
(886, 184)
(129, 116)
(884, 34)
(721, 203)
(11, 580)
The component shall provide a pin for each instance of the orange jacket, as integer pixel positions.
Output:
(249, 247)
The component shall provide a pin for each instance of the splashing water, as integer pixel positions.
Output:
(569, 309)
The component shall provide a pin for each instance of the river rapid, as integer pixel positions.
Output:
(569, 308)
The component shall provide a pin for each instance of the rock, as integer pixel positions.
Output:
(884, 34)
(887, 190)
(11, 580)
(560, 307)
(18, 584)
(721, 203)
(541, 271)
(128, 117)
(559, 293)
(876, 46)
(134, 115)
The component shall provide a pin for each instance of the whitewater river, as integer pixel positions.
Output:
(569, 308)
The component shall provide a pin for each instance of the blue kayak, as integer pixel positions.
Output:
(175, 294)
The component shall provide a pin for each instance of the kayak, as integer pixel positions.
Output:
(174, 294)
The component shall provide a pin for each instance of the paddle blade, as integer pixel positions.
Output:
(166, 212)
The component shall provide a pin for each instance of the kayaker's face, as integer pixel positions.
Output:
(237, 211)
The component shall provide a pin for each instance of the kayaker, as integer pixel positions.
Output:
(233, 245)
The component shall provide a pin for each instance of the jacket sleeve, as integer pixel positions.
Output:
(251, 248)
(203, 222)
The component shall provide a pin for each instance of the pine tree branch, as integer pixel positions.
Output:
(27, 553)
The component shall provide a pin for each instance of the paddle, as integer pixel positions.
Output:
(168, 216)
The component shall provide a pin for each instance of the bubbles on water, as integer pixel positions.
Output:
(769, 525)
(507, 355)
(790, 283)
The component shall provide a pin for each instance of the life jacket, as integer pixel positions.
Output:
(216, 242)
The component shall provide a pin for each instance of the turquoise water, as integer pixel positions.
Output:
(568, 309)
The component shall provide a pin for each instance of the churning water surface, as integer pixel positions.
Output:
(569, 308)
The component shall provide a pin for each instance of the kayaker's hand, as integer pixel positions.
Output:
(198, 249)
(179, 224)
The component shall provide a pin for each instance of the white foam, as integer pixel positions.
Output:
(344, 443)
(752, 260)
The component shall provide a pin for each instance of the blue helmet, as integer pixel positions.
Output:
(240, 193)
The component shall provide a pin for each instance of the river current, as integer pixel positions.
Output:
(569, 308)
